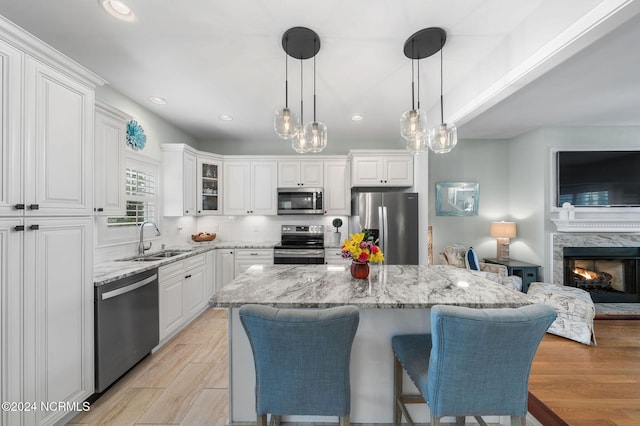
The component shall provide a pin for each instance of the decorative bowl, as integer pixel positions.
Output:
(203, 236)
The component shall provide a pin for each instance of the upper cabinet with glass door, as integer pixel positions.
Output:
(209, 186)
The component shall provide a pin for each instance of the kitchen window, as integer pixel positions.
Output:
(140, 197)
(141, 203)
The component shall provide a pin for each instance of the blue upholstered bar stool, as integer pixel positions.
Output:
(302, 359)
(475, 362)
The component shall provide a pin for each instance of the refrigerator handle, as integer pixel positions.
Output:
(386, 227)
(383, 233)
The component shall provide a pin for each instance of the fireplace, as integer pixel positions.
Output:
(609, 274)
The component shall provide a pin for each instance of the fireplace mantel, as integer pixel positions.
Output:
(617, 225)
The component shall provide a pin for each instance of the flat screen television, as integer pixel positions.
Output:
(598, 178)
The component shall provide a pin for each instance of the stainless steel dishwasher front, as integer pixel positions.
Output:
(126, 325)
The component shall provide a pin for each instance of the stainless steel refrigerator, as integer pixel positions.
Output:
(392, 219)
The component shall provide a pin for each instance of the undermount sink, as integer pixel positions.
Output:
(155, 256)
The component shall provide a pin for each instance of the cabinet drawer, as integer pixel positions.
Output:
(170, 270)
(248, 254)
(194, 262)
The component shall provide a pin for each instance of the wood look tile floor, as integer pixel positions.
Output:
(183, 383)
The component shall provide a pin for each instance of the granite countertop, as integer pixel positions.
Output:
(106, 272)
(388, 286)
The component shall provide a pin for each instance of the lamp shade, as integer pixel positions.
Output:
(503, 229)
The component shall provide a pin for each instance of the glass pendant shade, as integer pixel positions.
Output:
(315, 136)
(299, 143)
(418, 144)
(413, 123)
(285, 123)
(443, 140)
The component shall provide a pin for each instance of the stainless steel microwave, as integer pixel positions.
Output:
(300, 201)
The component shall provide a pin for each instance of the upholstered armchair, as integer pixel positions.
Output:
(455, 256)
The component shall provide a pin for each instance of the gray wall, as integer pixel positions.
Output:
(531, 182)
(157, 129)
(482, 161)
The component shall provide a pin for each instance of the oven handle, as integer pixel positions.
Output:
(129, 288)
(298, 253)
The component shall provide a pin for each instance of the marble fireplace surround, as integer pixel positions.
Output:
(565, 239)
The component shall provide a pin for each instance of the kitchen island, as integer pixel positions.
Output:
(395, 299)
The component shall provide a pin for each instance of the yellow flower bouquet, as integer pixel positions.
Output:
(360, 250)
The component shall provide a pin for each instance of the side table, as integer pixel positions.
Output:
(527, 271)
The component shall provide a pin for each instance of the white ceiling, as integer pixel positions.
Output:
(509, 65)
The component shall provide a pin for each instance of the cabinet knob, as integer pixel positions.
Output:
(19, 206)
(34, 227)
(188, 276)
(100, 209)
(186, 211)
(34, 206)
(18, 228)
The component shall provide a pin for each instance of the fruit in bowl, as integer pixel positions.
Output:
(203, 236)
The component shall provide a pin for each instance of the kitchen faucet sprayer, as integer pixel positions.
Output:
(141, 246)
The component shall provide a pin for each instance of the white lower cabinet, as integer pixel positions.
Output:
(210, 285)
(181, 293)
(333, 256)
(248, 257)
(225, 267)
(46, 306)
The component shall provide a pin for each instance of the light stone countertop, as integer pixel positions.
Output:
(106, 272)
(388, 286)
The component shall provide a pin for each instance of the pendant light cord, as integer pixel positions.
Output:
(314, 81)
(286, 73)
(301, 106)
(418, 71)
(441, 97)
(413, 105)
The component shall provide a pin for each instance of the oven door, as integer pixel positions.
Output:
(302, 256)
(300, 201)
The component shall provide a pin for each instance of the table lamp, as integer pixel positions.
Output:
(502, 231)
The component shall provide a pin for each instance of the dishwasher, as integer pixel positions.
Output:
(126, 325)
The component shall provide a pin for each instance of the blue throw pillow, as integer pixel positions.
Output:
(471, 259)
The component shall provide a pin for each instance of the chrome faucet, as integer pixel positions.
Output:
(141, 246)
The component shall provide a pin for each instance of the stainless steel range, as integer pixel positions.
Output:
(300, 244)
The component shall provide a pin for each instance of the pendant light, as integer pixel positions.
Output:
(303, 43)
(445, 138)
(413, 123)
(285, 122)
(315, 132)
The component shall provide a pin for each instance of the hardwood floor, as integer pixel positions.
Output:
(590, 385)
(183, 383)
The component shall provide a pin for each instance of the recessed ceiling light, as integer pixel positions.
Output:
(225, 117)
(118, 9)
(356, 117)
(157, 100)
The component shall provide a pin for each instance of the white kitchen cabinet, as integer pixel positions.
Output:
(225, 267)
(179, 180)
(194, 286)
(250, 187)
(208, 186)
(333, 256)
(181, 293)
(47, 107)
(210, 285)
(245, 258)
(109, 147)
(337, 191)
(47, 139)
(294, 173)
(381, 168)
(59, 133)
(47, 303)
(11, 144)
